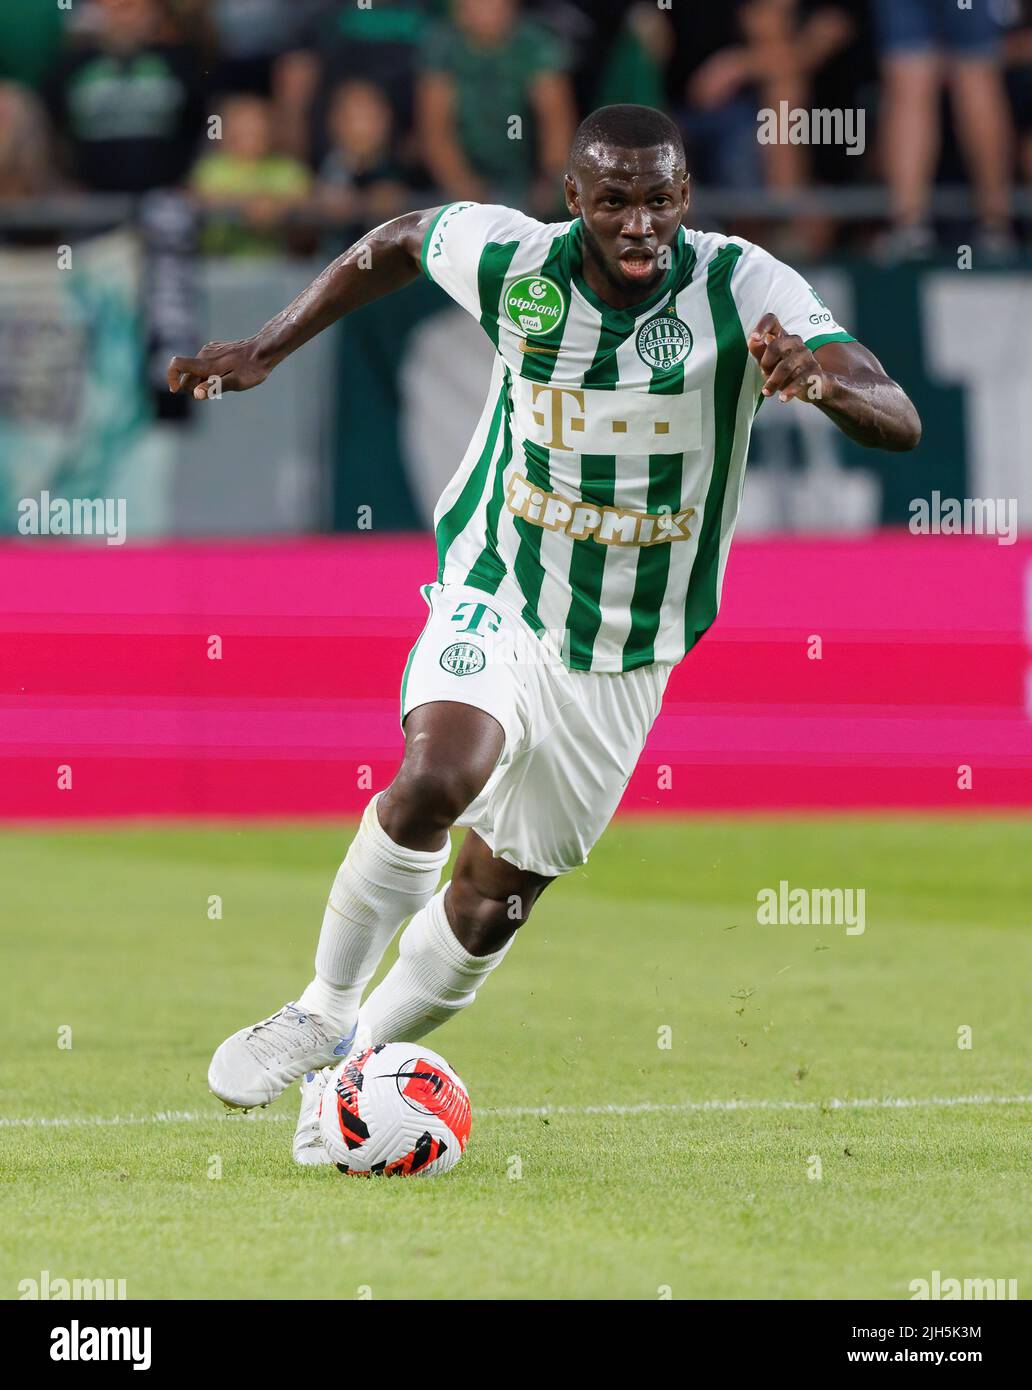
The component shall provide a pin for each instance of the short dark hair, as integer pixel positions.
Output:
(627, 127)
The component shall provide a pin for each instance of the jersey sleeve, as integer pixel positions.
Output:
(457, 240)
(764, 285)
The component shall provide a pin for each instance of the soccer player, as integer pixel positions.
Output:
(581, 552)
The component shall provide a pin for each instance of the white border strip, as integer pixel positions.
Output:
(686, 1107)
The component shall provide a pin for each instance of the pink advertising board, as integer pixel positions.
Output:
(841, 674)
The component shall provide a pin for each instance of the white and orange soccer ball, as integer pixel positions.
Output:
(396, 1109)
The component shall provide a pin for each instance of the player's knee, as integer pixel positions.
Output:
(483, 922)
(430, 795)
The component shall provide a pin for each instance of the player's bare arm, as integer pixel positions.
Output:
(845, 380)
(384, 260)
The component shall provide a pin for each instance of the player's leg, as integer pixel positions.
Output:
(546, 806)
(449, 948)
(394, 863)
(545, 811)
(391, 871)
(445, 955)
(450, 751)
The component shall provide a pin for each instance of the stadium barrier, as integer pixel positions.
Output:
(261, 679)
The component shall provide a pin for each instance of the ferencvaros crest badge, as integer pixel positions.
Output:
(463, 659)
(664, 342)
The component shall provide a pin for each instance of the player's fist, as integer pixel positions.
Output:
(218, 367)
(788, 365)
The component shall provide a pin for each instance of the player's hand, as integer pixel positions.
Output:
(788, 365)
(218, 367)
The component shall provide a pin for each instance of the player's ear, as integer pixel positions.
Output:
(572, 197)
(686, 190)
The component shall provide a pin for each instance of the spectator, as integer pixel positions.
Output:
(245, 175)
(25, 166)
(923, 42)
(338, 43)
(129, 103)
(730, 62)
(1018, 51)
(359, 180)
(250, 35)
(30, 40)
(619, 49)
(794, 41)
(633, 70)
(713, 84)
(486, 67)
(806, 53)
(256, 49)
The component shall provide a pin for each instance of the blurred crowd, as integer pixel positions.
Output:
(294, 122)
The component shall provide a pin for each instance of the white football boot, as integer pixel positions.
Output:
(257, 1064)
(308, 1148)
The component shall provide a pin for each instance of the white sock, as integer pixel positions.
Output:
(433, 978)
(378, 885)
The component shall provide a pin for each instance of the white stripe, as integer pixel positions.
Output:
(518, 1111)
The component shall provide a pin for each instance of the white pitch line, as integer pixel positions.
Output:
(522, 1111)
(688, 1106)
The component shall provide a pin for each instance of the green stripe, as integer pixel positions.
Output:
(425, 591)
(814, 343)
(488, 569)
(732, 356)
(588, 563)
(614, 332)
(538, 367)
(650, 578)
(492, 267)
(527, 565)
(666, 480)
(457, 517)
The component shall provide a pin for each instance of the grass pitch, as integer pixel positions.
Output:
(107, 934)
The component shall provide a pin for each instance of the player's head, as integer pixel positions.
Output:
(627, 182)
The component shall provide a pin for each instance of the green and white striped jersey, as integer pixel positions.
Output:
(600, 490)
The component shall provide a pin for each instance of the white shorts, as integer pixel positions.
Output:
(572, 738)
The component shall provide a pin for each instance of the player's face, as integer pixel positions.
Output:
(631, 203)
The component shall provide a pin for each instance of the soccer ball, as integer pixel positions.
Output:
(396, 1109)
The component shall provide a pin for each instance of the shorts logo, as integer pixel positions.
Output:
(475, 615)
(535, 304)
(463, 659)
(664, 341)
